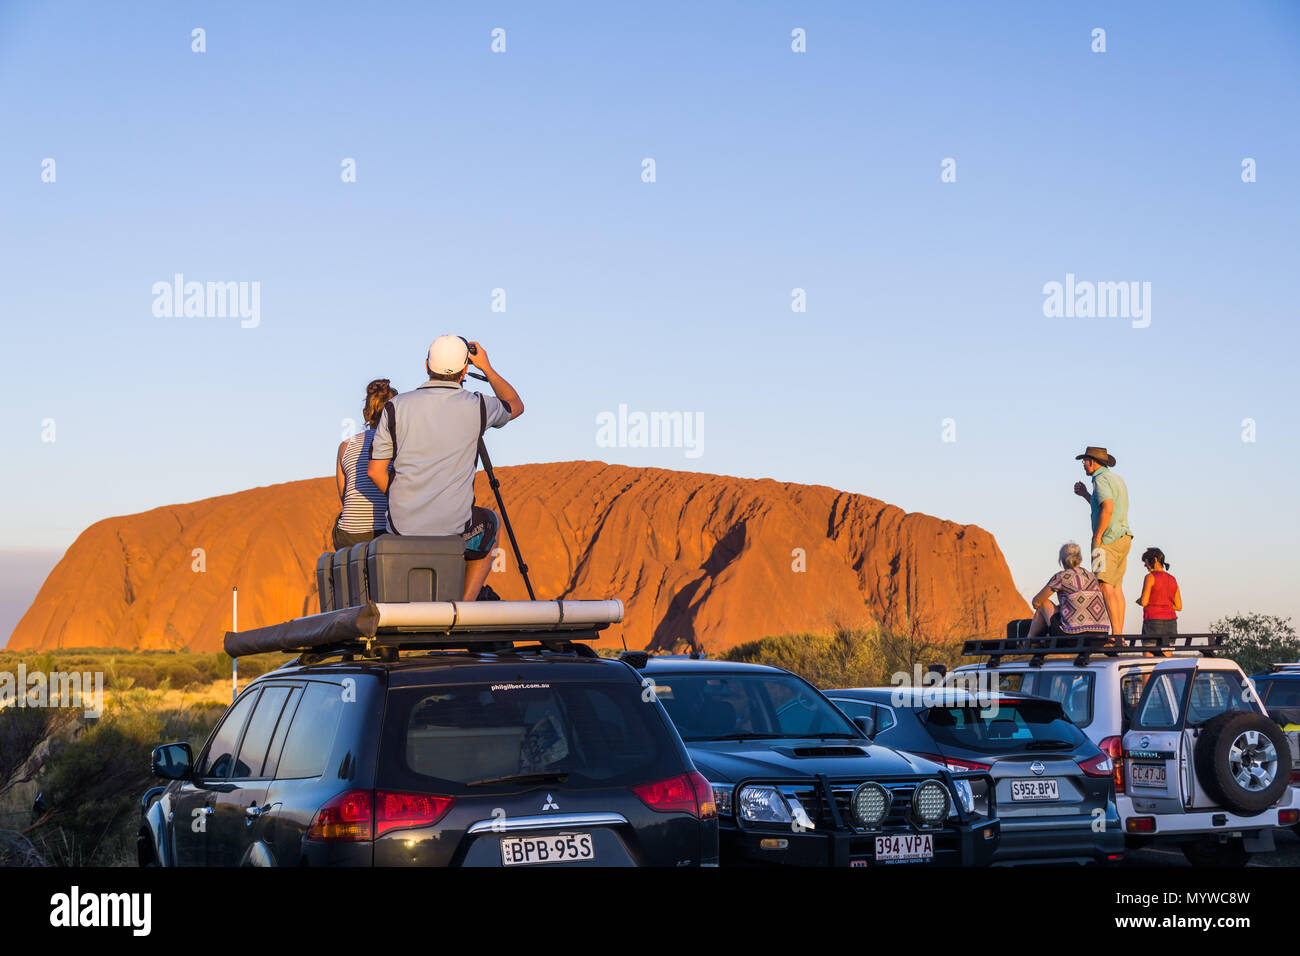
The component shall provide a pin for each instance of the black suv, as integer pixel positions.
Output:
(798, 782)
(544, 754)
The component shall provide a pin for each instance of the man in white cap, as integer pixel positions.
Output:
(429, 436)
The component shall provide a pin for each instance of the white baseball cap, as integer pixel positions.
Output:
(448, 355)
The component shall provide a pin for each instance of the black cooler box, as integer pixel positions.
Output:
(403, 568)
(325, 581)
(340, 568)
(358, 591)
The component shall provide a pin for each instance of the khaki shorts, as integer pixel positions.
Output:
(1111, 560)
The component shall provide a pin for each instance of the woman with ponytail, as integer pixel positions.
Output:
(364, 505)
(1161, 600)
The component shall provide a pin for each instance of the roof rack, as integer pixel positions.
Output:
(1084, 646)
(1283, 666)
(383, 629)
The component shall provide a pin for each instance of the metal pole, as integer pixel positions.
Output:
(234, 626)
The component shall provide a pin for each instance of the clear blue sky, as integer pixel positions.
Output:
(775, 170)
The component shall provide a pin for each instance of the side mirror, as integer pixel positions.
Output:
(173, 761)
(867, 725)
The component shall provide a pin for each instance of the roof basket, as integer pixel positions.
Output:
(372, 628)
(1083, 646)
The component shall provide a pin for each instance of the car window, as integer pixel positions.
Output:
(1071, 689)
(311, 735)
(1214, 693)
(281, 732)
(219, 759)
(1012, 726)
(1131, 686)
(1281, 693)
(455, 738)
(855, 708)
(252, 752)
(884, 718)
(706, 707)
(1160, 707)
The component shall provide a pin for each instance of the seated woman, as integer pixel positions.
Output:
(365, 507)
(1082, 609)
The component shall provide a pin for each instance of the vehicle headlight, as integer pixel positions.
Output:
(930, 803)
(965, 795)
(870, 805)
(762, 805)
(722, 796)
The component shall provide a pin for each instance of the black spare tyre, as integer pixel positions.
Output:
(1243, 761)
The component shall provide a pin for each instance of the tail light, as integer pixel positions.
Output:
(1287, 817)
(397, 811)
(365, 814)
(955, 765)
(1102, 765)
(1140, 825)
(1113, 747)
(349, 816)
(686, 793)
(1295, 776)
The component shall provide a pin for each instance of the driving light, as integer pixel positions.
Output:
(930, 803)
(870, 804)
(762, 805)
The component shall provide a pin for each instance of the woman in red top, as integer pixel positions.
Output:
(1161, 599)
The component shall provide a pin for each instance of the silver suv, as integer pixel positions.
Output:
(1197, 762)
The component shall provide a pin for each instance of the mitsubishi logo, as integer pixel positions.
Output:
(1037, 767)
(550, 803)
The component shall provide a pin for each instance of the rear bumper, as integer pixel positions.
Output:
(1201, 822)
(1065, 840)
(968, 845)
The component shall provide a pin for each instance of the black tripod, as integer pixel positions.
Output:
(505, 519)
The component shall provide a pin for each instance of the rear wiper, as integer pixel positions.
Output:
(552, 777)
(1047, 745)
(739, 737)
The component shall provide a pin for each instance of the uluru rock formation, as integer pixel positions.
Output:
(694, 557)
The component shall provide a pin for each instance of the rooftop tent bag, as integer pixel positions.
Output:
(340, 566)
(357, 589)
(404, 568)
(325, 581)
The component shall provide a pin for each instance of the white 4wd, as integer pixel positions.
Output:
(1202, 757)
(1205, 770)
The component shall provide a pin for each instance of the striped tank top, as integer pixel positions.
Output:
(364, 505)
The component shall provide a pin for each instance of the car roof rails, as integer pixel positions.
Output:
(1084, 646)
(1284, 666)
(382, 630)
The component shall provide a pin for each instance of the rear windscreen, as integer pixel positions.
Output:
(461, 738)
(1010, 727)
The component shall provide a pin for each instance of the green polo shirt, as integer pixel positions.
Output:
(1108, 486)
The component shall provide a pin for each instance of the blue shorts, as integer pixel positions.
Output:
(481, 537)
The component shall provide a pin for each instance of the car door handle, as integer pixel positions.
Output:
(254, 811)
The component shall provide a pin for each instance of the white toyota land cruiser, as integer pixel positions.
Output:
(1198, 764)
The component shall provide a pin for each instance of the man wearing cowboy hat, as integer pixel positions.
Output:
(1111, 535)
